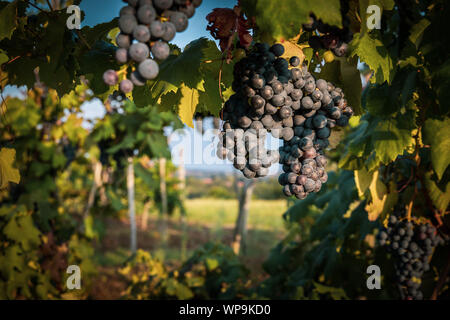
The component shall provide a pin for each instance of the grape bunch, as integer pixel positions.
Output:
(328, 37)
(292, 105)
(411, 245)
(146, 27)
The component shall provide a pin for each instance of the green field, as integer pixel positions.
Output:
(219, 213)
(207, 220)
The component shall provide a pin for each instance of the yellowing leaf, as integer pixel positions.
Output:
(291, 49)
(382, 199)
(7, 172)
(187, 105)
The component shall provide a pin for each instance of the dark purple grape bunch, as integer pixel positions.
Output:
(146, 27)
(328, 37)
(290, 104)
(411, 246)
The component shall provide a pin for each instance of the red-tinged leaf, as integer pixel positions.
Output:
(224, 23)
(243, 27)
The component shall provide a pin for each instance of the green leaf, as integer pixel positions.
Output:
(95, 62)
(184, 68)
(335, 293)
(363, 179)
(437, 135)
(369, 48)
(8, 19)
(439, 196)
(21, 229)
(441, 83)
(417, 32)
(3, 57)
(7, 172)
(284, 20)
(351, 83)
(378, 140)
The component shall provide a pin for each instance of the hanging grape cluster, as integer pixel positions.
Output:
(146, 27)
(292, 105)
(411, 245)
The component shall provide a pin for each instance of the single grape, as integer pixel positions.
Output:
(277, 49)
(319, 121)
(157, 29)
(149, 69)
(146, 14)
(196, 3)
(141, 33)
(127, 23)
(139, 52)
(307, 102)
(180, 21)
(169, 32)
(188, 10)
(277, 100)
(123, 41)
(257, 102)
(267, 92)
(110, 77)
(162, 4)
(137, 79)
(126, 86)
(121, 55)
(127, 10)
(160, 50)
(294, 61)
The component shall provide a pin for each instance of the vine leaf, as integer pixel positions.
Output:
(8, 22)
(188, 104)
(22, 230)
(439, 196)
(7, 172)
(437, 135)
(284, 21)
(378, 140)
(371, 50)
(292, 49)
(417, 32)
(382, 199)
(224, 23)
(363, 179)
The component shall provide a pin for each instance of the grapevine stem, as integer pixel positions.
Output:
(35, 6)
(83, 39)
(441, 280)
(13, 59)
(220, 79)
(49, 5)
(408, 182)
